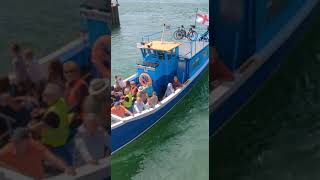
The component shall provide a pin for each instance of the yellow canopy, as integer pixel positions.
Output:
(161, 46)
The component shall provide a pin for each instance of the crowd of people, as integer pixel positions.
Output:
(129, 98)
(55, 118)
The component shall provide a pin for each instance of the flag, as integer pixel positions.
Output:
(202, 18)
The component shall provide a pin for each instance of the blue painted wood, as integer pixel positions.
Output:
(233, 104)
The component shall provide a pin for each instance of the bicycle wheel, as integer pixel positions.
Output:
(192, 35)
(178, 35)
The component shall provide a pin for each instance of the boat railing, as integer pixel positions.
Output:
(190, 48)
(88, 171)
(99, 171)
(151, 37)
(7, 174)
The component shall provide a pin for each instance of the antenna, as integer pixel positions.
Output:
(164, 25)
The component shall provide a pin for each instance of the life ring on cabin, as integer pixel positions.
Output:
(145, 79)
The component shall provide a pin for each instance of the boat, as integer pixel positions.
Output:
(96, 20)
(187, 59)
(252, 38)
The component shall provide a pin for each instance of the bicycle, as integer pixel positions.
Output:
(181, 33)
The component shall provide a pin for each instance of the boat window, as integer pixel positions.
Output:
(169, 56)
(161, 55)
(143, 52)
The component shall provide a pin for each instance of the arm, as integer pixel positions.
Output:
(60, 164)
(136, 109)
(83, 150)
(128, 112)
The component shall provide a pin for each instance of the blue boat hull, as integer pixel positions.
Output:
(130, 131)
(240, 97)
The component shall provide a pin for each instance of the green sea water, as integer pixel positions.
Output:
(43, 26)
(177, 146)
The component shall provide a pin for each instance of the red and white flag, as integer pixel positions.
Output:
(202, 18)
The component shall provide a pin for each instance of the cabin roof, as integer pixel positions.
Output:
(101, 5)
(160, 46)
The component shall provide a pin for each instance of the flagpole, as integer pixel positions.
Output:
(164, 25)
(195, 20)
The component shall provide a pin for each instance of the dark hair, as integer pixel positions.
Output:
(126, 99)
(55, 69)
(15, 47)
(52, 120)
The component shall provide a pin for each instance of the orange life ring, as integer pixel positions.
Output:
(145, 79)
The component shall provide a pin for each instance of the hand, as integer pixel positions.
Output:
(70, 171)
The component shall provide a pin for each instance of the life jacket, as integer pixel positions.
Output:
(57, 137)
(72, 96)
(128, 104)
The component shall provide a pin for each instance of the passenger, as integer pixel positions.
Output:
(120, 82)
(117, 87)
(128, 99)
(96, 102)
(11, 106)
(26, 156)
(76, 89)
(91, 141)
(101, 55)
(142, 94)
(153, 100)
(148, 89)
(176, 83)
(134, 88)
(113, 96)
(128, 85)
(220, 72)
(169, 90)
(35, 74)
(139, 105)
(18, 65)
(55, 73)
(54, 126)
(120, 111)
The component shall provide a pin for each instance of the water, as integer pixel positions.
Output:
(177, 147)
(42, 26)
(276, 136)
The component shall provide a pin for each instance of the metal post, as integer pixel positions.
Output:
(195, 20)
(164, 25)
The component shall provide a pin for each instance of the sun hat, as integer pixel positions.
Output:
(132, 82)
(97, 86)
